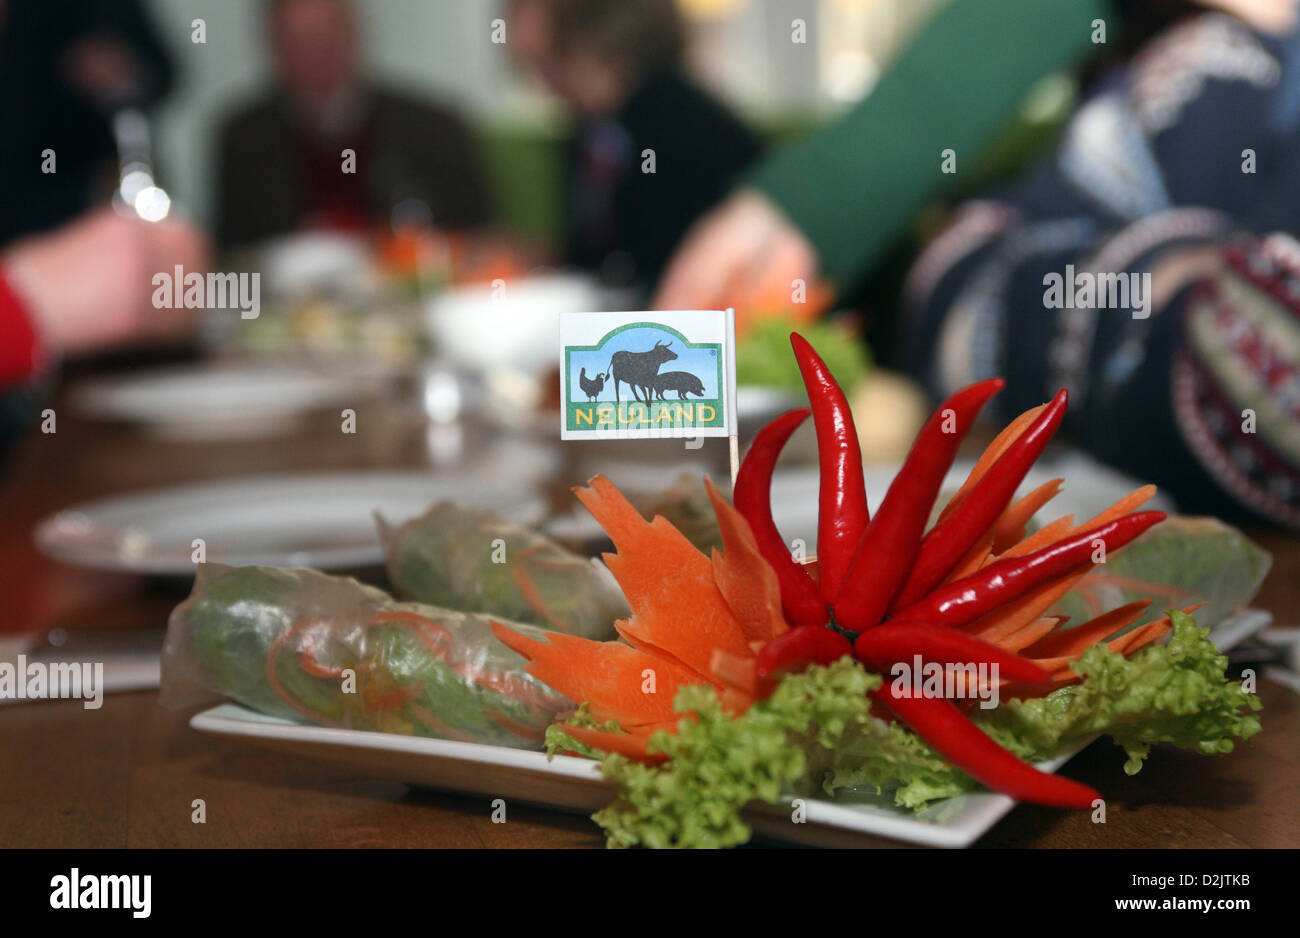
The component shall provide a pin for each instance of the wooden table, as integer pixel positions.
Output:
(126, 775)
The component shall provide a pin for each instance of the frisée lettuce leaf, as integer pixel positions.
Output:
(817, 732)
(1173, 693)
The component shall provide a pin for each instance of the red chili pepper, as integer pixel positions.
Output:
(801, 602)
(950, 539)
(1000, 582)
(795, 650)
(842, 513)
(887, 550)
(893, 642)
(965, 745)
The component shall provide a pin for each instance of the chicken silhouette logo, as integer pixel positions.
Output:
(645, 374)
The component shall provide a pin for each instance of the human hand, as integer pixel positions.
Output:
(88, 285)
(1268, 16)
(744, 248)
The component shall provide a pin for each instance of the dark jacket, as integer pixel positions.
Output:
(405, 149)
(625, 222)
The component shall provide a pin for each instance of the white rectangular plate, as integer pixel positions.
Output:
(575, 784)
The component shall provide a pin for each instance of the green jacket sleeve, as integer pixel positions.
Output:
(853, 186)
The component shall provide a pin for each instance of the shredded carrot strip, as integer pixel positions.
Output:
(979, 554)
(1023, 638)
(1010, 527)
(436, 726)
(522, 730)
(1129, 503)
(1079, 639)
(1047, 534)
(273, 679)
(734, 670)
(1000, 444)
(1006, 620)
(533, 596)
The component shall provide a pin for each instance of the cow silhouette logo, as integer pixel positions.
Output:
(641, 378)
(639, 369)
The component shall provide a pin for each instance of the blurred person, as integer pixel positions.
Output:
(65, 67)
(84, 288)
(1149, 266)
(618, 66)
(281, 161)
(832, 204)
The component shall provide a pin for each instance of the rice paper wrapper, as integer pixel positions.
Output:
(1177, 563)
(467, 557)
(333, 651)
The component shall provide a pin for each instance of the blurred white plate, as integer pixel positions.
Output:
(576, 784)
(517, 328)
(215, 401)
(757, 404)
(1089, 488)
(321, 520)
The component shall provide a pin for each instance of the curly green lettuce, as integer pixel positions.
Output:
(817, 731)
(719, 763)
(558, 741)
(1173, 693)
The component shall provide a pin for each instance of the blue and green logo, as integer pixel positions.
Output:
(643, 376)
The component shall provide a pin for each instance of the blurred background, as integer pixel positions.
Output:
(740, 49)
(279, 236)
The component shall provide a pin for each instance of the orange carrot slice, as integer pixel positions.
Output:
(1019, 640)
(631, 745)
(1129, 503)
(735, 701)
(747, 581)
(735, 671)
(1047, 534)
(998, 624)
(619, 682)
(1126, 644)
(980, 553)
(1000, 444)
(1075, 641)
(676, 605)
(1151, 632)
(1010, 527)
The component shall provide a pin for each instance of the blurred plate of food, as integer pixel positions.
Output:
(321, 520)
(219, 401)
(318, 262)
(383, 329)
